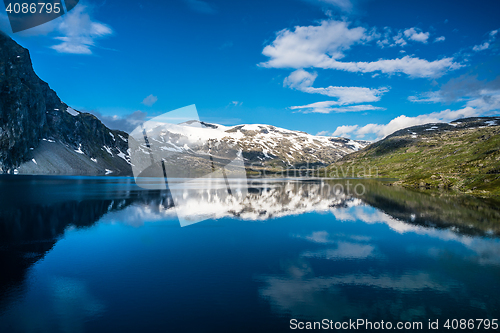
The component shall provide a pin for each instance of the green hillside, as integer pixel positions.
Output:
(463, 155)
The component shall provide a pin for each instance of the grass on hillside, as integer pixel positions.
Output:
(466, 160)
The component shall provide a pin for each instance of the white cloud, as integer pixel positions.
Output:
(322, 46)
(486, 45)
(399, 40)
(416, 35)
(384, 39)
(328, 107)
(79, 32)
(150, 100)
(303, 80)
(381, 131)
(201, 6)
(428, 97)
(313, 46)
(481, 47)
(414, 67)
(350, 95)
(344, 130)
(300, 79)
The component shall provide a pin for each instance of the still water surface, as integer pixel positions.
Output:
(81, 254)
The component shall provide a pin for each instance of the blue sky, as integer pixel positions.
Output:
(355, 68)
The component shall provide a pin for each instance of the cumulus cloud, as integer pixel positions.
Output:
(414, 67)
(345, 130)
(322, 46)
(385, 38)
(322, 133)
(311, 46)
(303, 81)
(416, 35)
(439, 39)
(481, 47)
(200, 6)
(349, 95)
(380, 131)
(399, 40)
(125, 123)
(391, 38)
(486, 45)
(79, 32)
(150, 100)
(328, 107)
(300, 79)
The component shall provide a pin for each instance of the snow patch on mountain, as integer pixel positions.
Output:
(262, 145)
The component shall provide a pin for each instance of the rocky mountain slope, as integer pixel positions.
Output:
(270, 146)
(39, 134)
(464, 155)
(193, 148)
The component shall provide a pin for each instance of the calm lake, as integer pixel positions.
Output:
(99, 254)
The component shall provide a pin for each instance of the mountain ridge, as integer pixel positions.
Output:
(271, 146)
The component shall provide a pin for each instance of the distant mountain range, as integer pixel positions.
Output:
(192, 148)
(39, 134)
(270, 147)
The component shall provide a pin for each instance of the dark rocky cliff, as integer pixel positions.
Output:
(31, 113)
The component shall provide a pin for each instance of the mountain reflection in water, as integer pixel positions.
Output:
(303, 248)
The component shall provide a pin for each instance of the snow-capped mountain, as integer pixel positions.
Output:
(196, 146)
(268, 145)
